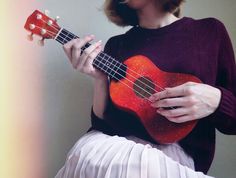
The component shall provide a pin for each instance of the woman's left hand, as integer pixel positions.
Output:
(189, 101)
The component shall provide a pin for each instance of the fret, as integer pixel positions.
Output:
(115, 68)
(96, 61)
(105, 63)
(101, 64)
(60, 39)
(69, 34)
(110, 66)
(65, 36)
(116, 71)
(72, 36)
(122, 71)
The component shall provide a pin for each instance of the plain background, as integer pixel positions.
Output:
(68, 94)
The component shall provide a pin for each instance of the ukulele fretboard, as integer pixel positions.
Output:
(104, 62)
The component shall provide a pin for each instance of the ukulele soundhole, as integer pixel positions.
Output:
(144, 87)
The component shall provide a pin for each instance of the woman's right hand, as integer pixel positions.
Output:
(84, 62)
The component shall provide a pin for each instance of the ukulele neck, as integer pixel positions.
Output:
(104, 62)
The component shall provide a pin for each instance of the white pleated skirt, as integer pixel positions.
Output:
(97, 155)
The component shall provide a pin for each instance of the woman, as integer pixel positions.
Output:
(182, 45)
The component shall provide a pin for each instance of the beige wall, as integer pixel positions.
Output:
(68, 94)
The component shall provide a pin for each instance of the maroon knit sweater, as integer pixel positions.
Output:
(198, 47)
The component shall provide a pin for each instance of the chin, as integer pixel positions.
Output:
(137, 4)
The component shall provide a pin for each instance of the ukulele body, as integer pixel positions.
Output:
(127, 94)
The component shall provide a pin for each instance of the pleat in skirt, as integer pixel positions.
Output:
(97, 155)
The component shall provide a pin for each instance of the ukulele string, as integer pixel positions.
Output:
(113, 60)
(52, 35)
(56, 28)
(129, 75)
(147, 98)
(130, 82)
(97, 65)
(162, 89)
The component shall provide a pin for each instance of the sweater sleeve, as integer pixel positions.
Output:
(225, 120)
(102, 124)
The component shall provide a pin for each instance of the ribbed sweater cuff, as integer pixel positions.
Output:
(227, 105)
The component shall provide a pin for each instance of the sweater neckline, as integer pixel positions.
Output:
(168, 28)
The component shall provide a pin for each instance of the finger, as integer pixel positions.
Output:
(172, 102)
(178, 91)
(173, 112)
(91, 48)
(181, 119)
(88, 54)
(76, 51)
(67, 48)
(169, 92)
(92, 55)
(87, 65)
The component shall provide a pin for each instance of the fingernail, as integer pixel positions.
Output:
(98, 48)
(100, 41)
(91, 37)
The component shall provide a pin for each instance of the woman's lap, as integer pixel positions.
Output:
(97, 155)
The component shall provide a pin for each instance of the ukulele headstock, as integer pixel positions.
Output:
(40, 24)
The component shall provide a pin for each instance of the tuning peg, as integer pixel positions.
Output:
(41, 42)
(46, 12)
(50, 22)
(30, 37)
(31, 26)
(43, 31)
(39, 16)
(57, 18)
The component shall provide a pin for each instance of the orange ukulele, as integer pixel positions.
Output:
(132, 82)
